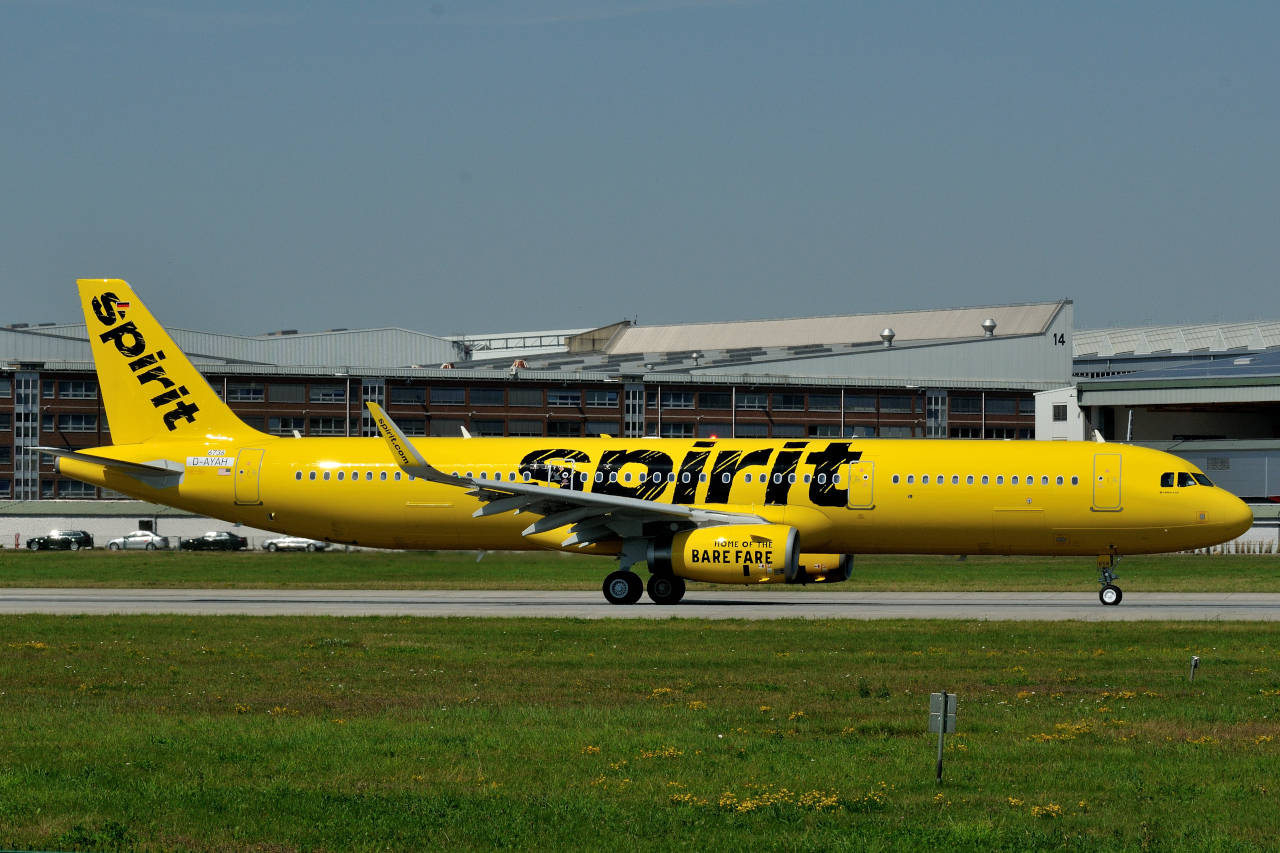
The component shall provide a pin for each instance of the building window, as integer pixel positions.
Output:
(6, 387)
(448, 427)
(676, 430)
(895, 431)
(859, 402)
(71, 422)
(966, 404)
(328, 393)
(524, 427)
(245, 392)
(286, 392)
(788, 430)
(1002, 406)
(896, 403)
(564, 429)
(824, 431)
(824, 402)
(46, 389)
(407, 395)
(564, 399)
(753, 401)
(328, 426)
(76, 489)
(1059, 412)
(525, 397)
(714, 400)
(78, 389)
(710, 430)
(6, 421)
(412, 426)
(6, 487)
(258, 422)
(788, 403)
(488, 428)
(677, 399)
(602, 399)
(285, 425)
(487, 397)
(448, 396)
(6, 454)
(751, 431)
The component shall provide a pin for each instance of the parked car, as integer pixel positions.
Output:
(294, 543)
(61, 540)
(139, 539)
(215, 540)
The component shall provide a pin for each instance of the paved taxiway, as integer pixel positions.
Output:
(715, 604)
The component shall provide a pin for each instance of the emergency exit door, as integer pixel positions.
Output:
(1106, 482)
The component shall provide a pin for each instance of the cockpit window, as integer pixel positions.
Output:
(1185, 479)
(1202, 479)
(1166, 480)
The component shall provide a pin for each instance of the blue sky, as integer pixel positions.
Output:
(512, 164)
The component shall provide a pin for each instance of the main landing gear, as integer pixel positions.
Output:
(1110, 593)
(625, 587)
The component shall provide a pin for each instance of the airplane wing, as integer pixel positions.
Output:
(594, 517)
(160, 473)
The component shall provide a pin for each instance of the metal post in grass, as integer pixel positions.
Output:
(1195, 662)
(942, 719)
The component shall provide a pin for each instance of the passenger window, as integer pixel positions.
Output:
(1075, 481)
(808, 478)
(311, 476)
(397, 475)
(702, 478)
(969, 480)
(613, 476)
(1014, 480)
(746, 478)
(340, 475)
(777, 479)
(297, 475)
(626, 478)
(955, 479)
(1044, 481)
(383, 476)
(725, 478)
(835, 478)
(895, 479)
(1059, 479)
(368, 475)
(924, 480)
(1000, 479)
(685, 477)
(791, 478)
(985, 479)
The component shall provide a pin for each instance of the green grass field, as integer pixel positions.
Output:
(540, 570)
(169, 733)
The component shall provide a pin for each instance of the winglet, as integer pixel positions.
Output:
(405, 454)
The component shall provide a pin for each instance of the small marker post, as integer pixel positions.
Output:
(942, 719)
(1195, 662)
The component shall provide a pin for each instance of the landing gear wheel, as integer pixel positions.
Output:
(666, 589)
(623, 587)
(1110, 594)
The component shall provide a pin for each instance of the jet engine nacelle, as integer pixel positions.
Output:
(736, 553)
(823, 568)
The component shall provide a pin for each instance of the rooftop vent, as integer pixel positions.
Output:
(887, 336)
(989, 327)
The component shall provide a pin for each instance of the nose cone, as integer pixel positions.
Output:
(1235, 518)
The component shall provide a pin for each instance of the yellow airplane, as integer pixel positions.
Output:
(719, 510)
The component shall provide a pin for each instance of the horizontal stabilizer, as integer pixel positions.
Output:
(160, 473)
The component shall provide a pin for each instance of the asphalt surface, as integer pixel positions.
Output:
(716, 604)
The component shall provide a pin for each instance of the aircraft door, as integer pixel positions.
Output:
(1106, 482)
(862, 479)
(248, 464)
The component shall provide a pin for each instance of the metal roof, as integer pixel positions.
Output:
(935, 325)
(1156, 340)
(1249, 378)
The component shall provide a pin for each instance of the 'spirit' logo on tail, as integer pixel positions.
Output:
(145, 366)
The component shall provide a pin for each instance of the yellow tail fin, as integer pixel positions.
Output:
(150, 389)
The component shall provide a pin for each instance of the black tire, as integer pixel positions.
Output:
(1110, 595)
(151, 546)
(33, 545)
(311, 546)
(623, 587)
(111, 546)
(666, 589)
(74, 546)
(271, 546)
